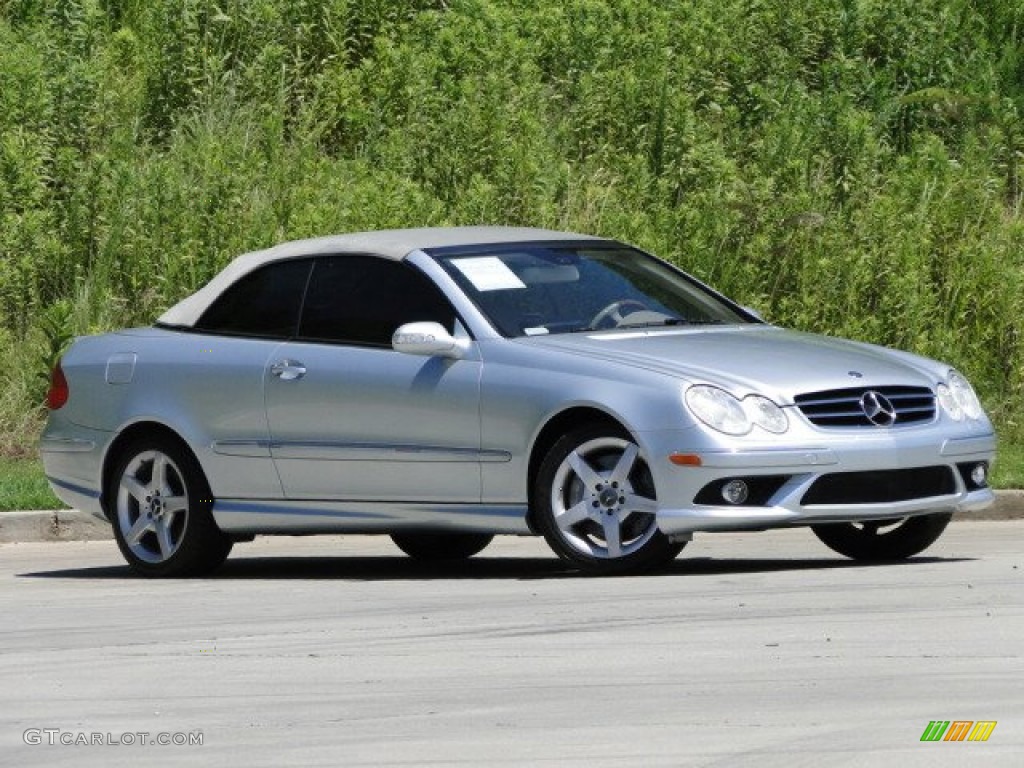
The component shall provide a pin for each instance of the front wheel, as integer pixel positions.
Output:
(161, 511)
(596, 505)
(441, 545)
(883, 539)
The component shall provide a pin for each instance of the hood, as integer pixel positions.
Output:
(753, 358)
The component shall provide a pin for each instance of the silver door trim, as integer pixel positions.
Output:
(248, 448)
(331, 451)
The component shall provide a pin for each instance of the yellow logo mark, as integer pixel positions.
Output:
(982, 730)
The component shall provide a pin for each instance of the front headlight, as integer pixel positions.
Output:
(959, 398)
(766, 414)
(949, 403)
(725, 413)
(718, 409)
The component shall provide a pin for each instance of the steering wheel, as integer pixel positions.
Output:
(613, 312)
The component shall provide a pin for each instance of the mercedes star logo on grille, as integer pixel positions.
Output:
(878, 408)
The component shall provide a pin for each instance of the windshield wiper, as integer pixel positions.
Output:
(654, 323)
(668, 321)
(671, 321)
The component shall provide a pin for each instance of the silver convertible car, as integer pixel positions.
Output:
(446, 385)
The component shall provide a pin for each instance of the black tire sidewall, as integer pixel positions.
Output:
(912, 536)
(441, 545)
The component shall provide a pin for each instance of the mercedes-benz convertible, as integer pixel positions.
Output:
(443, 386)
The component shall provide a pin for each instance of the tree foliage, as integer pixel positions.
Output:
(851, 167)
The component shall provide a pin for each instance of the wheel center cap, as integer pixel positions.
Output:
(608, 497)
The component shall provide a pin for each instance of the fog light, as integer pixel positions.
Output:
(735, 492)
(979, 475)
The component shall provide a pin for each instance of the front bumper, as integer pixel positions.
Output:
(799, 467)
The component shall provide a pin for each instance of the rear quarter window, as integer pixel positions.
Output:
(264, 303)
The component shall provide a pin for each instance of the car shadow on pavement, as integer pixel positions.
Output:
(400, 568)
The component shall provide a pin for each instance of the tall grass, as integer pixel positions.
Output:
(847, 166)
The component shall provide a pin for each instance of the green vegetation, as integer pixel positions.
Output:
(1009, 468)
(847, 166)
(23, 486)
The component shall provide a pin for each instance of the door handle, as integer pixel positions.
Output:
(288, 370)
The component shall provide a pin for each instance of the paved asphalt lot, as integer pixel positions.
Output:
(754, 650)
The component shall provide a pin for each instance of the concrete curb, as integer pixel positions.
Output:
(72, 525)
(1009, 506)
(52, 525)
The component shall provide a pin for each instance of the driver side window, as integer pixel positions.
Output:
(362, 300)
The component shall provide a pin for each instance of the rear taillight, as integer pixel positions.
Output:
(58, 394)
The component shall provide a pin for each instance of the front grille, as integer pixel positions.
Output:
(842, 407)
(881, 486)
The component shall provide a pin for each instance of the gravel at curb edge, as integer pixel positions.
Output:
(72, 525)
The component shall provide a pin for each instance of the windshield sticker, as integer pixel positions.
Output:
(540, 330)
(488, 273)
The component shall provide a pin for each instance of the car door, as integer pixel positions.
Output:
(234, 340)
(350, 418)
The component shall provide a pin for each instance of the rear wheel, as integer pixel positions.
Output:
(596, 504)
(883, 539)
(441, 545)
(161, 511)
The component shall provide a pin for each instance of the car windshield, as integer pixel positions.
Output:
(537, 289)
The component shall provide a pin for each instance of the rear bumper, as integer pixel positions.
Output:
(73, 461)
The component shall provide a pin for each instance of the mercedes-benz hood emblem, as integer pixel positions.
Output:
(878, 408)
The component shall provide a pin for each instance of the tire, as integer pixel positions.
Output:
(441, 546)
(160, 506)
(883, 539)
(595, 504)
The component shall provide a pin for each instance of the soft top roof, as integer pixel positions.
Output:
(390, 244)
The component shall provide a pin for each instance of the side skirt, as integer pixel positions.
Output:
(245, 516)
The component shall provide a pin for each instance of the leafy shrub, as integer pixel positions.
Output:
(847, 166)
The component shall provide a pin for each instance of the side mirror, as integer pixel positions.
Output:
(428, 340)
